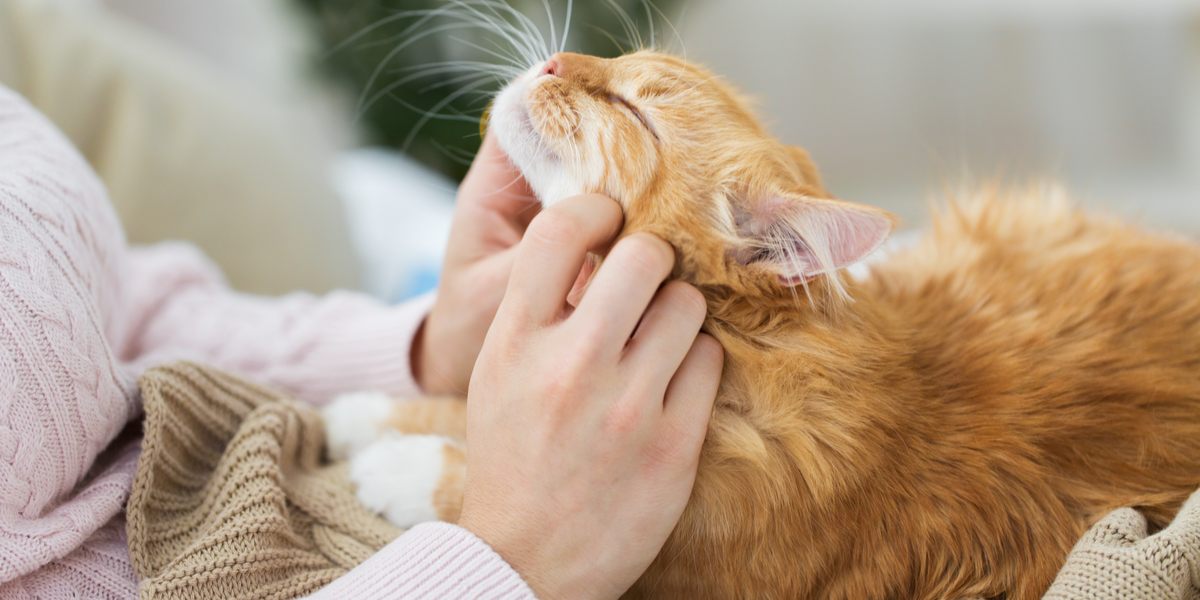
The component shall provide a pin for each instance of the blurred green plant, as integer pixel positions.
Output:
(417, 67)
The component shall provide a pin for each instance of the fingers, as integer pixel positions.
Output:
(624, 286)
(690, 397)
(667, 331)
(550, 256)
(590, 264)
(494, 174)
(495, 184)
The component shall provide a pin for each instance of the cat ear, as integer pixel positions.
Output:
(799, 237)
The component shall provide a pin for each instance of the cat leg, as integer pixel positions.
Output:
(354, 421)
(440, 416)
(406, 457)
(411, 479)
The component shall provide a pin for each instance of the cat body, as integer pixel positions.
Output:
(947, 427)
(951, 433)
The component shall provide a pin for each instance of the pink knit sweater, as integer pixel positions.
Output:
(82, 315)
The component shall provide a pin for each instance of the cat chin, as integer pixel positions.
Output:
(511, 122)
(547, 176)
(550, 179)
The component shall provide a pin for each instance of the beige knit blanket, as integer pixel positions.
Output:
(231, 500)
(1117, 559)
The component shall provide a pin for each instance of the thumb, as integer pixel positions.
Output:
(495, 184)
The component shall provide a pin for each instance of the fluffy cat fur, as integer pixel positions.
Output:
(947, 427)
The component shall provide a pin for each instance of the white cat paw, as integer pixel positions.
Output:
(353, 421)
(397, 476)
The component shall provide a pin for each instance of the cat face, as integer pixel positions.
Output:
(686, 158)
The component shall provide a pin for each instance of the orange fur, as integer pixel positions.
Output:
(951, 430)
(441, 416)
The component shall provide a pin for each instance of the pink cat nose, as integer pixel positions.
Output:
(552, 67)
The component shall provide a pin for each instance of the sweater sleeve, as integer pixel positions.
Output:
(431, 561)
(313, 347)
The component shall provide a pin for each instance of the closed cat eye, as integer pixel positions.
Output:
(621, 101)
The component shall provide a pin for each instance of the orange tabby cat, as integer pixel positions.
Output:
(947, 427)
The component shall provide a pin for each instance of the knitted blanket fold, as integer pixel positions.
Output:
(231, 499)
(1118, 559)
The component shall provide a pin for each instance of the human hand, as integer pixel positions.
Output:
(585, 424)
(493, 209)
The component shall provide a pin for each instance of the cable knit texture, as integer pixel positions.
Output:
(1117, 560)
(82, 316)
(232, 500)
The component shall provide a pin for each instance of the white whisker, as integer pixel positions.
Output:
(650, 23)
(567, 25)
(462, 158)
(519, 39)
(482, 49)
(674, 30)
(470, 65)
(439, 106)
(631, 31)
(394, 52)
(460, 79)
(532, 41)
(425, 15)
(550, 22)
(620, 48)
(391, 87)
(435, 116)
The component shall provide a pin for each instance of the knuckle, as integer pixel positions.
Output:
(688, 298)
(623, 419)
(675, 435)
(667, 450)
(710, 348)
(578, 367)
(648, 254)
(556, 227)
(570, 375)
(513, 319)
(589, 339)
(598, 199)
(558, 394)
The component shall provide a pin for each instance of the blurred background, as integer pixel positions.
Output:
(302, 152)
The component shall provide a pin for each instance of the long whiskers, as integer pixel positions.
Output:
(517, 44)
(674, 30)
(632, 33)
(567, 25)
(500, 42)
(434, 111)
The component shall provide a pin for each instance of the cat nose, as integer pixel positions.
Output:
(552, 67)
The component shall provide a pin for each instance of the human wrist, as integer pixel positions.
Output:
(436, 356)
(515, 549)
(416, 356)
(432, 376)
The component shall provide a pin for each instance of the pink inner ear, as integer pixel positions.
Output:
(854, 234)
(802, 238)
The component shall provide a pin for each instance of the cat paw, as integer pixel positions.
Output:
(354, 421)
(398, 475)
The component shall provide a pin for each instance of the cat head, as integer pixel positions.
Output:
(688, 161)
